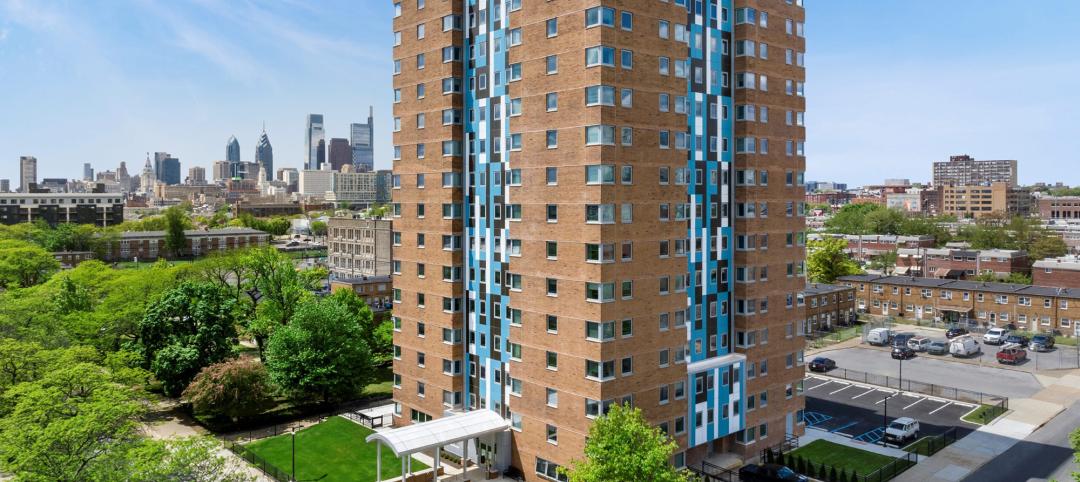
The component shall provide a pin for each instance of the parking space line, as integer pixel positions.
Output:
(819, 386)
(842, 389)
(872, 390)
(941, 407)
(913, 404)
(893, 394)
(837, 429)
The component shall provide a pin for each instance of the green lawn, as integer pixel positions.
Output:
(990, 412)
(330, 451)
(148, 264)
(842, 457)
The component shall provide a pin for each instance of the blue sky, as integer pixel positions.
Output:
(892, 85)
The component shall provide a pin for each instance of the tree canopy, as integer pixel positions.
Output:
(233, 388)
(24, 264)
(827, 260)
(623, 447)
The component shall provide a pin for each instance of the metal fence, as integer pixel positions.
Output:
(829, 473)
(352, 412)
(992, 411)
(933, 444)
(909, 385)
(713, 473)
(260, 463)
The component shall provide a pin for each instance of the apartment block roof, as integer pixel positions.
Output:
(990, 287)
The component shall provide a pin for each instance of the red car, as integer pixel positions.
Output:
(1012, 354)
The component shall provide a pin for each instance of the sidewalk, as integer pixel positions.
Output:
(969, 453)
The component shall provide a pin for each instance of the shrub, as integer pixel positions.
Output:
(235, 388)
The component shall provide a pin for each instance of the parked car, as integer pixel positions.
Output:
(938, 347)
(919, 343)
(964, 346)
(901, 339)
(1011, 354)
(879, 336)
(902, 430)
(769, 473)
(1017, 339)
(1042, 342)
(995, 336)
(902, 353)
(822, 364)
(955, 332)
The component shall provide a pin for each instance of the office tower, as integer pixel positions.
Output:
(264, 154)
(232, 150)
(5, 185)
(123, 177)
(362, 136)
(222, 170)
(27, 173)
(314, 143)
(340, 153)
(963, 170)
(167, 168)
(616, 220)
(87, 172)
(196, 176)
(147, 178)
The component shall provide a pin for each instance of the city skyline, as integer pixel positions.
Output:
(867, 82)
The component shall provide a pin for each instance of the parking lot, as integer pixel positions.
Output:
(1060, 357)
(858, 410)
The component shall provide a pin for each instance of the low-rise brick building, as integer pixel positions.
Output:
(1063, 272)
(1059, 207)
(960, 263)
(864, 247)
(150, 245)
(828, 306)
(1027, 307)
(375, 290)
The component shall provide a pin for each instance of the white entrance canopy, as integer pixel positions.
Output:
(439, 432)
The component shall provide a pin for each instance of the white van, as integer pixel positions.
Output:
(964, 346)
(879, 336)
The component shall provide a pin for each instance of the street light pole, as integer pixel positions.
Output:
(885, 422)
(293, 436)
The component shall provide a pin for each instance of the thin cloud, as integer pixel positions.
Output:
(3, 34)
(215, 49)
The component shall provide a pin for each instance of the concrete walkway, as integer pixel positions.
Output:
(1025, 415)
(813, 434)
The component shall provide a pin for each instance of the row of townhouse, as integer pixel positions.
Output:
(1034, 308)
(828, 305)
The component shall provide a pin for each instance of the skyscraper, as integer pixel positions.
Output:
(340, 153)
(196, 176)
(123, 177)
(963, 170)
(167, 168)
(223, 170)
(314, 142)
(605, 232)
(5, 185)
(232, 150)
(264, 154)
(147, 178)
(27, 173)
(362, 136)
(87, 172)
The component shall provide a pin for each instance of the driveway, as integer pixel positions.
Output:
(1061, 357)
(939, 370)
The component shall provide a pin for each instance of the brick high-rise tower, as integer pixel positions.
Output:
(597, 202)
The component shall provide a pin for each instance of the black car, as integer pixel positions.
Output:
(901, 339)
(769, 473)
(1018, 339)
(902, 353)
(955, 332)
(1042, 342)
(822, 364)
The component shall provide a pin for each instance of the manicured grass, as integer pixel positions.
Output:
(383, 384)
(330, 451)
(990, 412)
(842, 457)
(148, 264)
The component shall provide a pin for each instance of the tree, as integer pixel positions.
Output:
(318, 228)
(23, 264)
(827, 260)
(68, 425)
(72, 297)
(1074, 441)
(383, 344)
(851, 219)
(189, 459)
(1015, 278)
(356, 305)
(321, 352)
(234, 388)
(622, 446)
(884, 221)
(189, 327)
(280, 288)
(884, 262)
(1047, 246)
(18, 361)
(176, 221)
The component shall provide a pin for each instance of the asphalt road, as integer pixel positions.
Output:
(939, 370)
(1043, 455)
(1061, 357)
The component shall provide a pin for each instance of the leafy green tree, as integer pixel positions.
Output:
(356, 305)
(233, 388)
(851, 219)
(189, 459)
(884, 262)
(1047, 246)
(280, 288)
(318, 228)
(884, 221)
(19, 361)
(176, 220)
(72, 297)
(25, 264)
(1074, 442)
(189, 327)
(1015, 278)
(321, 352)
(622, 446)
(67, 426)
(383, 344)
(827, 260)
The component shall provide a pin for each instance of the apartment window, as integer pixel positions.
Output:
(600, 292)
(600, 135)
(600, 174)
(551, 175)
(599, 95)
(600, 213)
(552, 102)
(626, 20)
(600, 16)
(552, 27)
(553, 434)
(552, 213)
(600, 370)
(552, 397)
(552, 137)
(600, 56)
(599, 331)
(552, 287)
(552, 360)
(552, 64)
